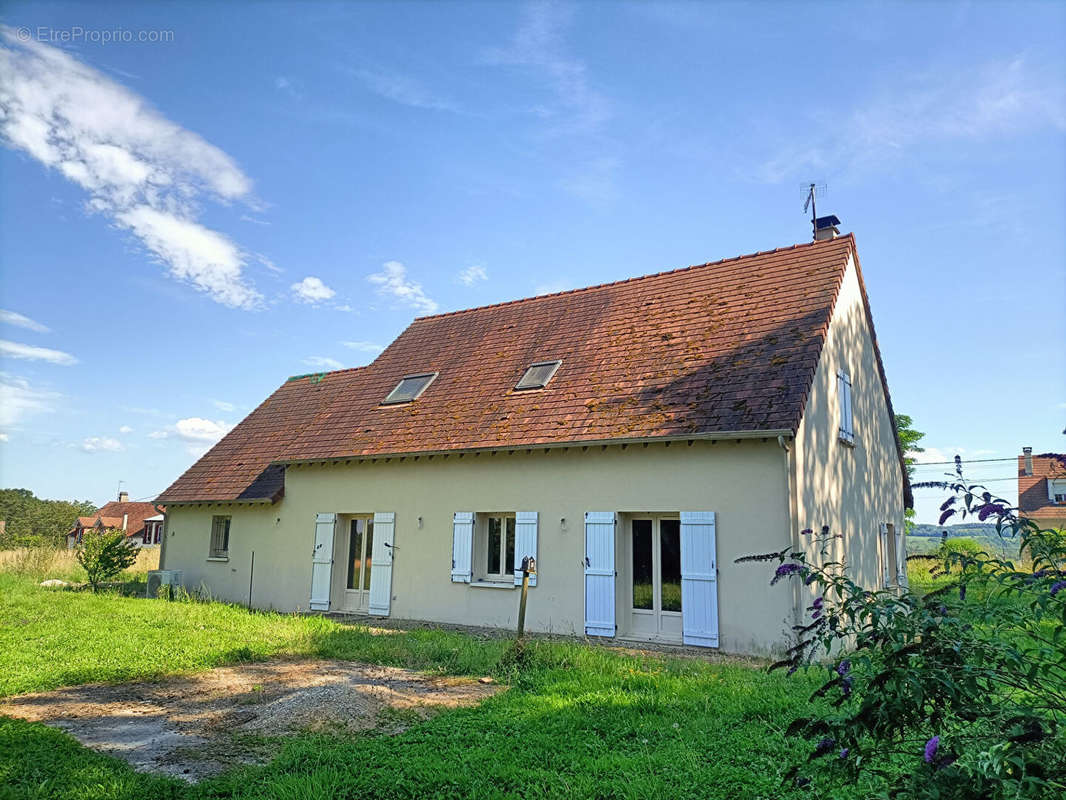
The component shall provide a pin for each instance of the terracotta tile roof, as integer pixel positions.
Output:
(111, 515)
(724, 347)
(1033, 499)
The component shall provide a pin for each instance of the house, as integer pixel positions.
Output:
(1042, 488)
(635, 438)
(142, 522)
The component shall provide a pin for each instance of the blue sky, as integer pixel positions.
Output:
(278, 189)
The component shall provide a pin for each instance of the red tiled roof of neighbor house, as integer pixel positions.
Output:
(726, 347)
(1033, 501)
(111, 515)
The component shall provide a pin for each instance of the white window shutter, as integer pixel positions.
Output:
(322, 561)
(886, 567)
(525, 543)
(847, 423)
(381, 567)
(462, 546)
(901, 558)
(699, 579)
(599, 573)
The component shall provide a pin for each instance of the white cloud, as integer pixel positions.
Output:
(4, 437)
(312, 290)
(97, 444)
(364, 347)
(323, 362)
(125, 429)
(934, 107)
(143, 171)
(472, 275)
(222, 405)
(197, 433)
(30, 353)
(18, 400)
(392, 281)
(538, 47)
(18, 320)
(552, 287)
(403, 90)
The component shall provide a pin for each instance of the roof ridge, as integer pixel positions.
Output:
(622, 281)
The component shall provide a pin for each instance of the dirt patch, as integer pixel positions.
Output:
(199, 725)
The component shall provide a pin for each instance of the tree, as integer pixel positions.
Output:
(908, 439)
(34, 522)
(104, 553)
(958, 693)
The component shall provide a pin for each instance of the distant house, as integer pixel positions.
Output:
(142, 522)
(1042, 488)
(635, 438)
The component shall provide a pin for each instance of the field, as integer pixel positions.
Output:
(575, 720)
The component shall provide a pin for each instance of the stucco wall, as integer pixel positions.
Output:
(850, 488)
(744, 482)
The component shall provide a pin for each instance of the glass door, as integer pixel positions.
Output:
(655, 552)
(360, 553)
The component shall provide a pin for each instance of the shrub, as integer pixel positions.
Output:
(960, 693)
(104, 554)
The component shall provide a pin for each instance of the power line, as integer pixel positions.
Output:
(964, 461)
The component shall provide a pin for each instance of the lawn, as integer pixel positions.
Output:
(577, 720)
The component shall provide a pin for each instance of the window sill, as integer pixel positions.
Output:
(847, 441)
(492, 584)
(218, 558)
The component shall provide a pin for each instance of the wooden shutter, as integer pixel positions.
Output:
(462, 546)
(322, 561)
(901, 558)
(699, 579)
(886, 566)
(847, 425)
(599, 573)
(381, 567)
(525, 543)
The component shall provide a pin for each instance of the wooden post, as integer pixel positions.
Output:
(529, 566)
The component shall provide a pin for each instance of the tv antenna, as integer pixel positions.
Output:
(814, 190)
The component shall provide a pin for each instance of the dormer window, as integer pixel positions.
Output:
(409, 388)
(538, 375)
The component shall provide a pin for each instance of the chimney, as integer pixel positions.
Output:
(826, 228)
(1028, 453)
(123, 497)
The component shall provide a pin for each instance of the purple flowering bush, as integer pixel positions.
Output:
(957, 693)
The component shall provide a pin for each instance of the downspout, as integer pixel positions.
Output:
(163, 538)
(791, 513)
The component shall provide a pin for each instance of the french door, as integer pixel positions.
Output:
(359, 558)
(655, 570)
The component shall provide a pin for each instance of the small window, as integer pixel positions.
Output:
(494, 545)
(538, 375)
(220, 537)
(847, 422)
(409, 388)
(889, 555)
(1056, 490)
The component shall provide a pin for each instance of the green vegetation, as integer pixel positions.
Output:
(577, 720)
(104, 555)
(33, 522)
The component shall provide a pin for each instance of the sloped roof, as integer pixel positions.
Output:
(726, 347)
(1033, 499)
(111, 514)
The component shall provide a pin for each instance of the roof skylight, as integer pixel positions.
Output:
(410, 388)
(538, 375)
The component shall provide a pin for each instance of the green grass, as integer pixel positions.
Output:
(577, 720)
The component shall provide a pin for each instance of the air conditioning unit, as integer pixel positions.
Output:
(158, 578)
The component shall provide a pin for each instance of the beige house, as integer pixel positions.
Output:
(634, 438)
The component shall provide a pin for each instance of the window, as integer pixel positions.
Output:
(847, 427)
(1056, 490)
(220, 537)
(496, 546)
(538, 375)
(409, 388)
(889, 555)
(146, 537)
(158, 532)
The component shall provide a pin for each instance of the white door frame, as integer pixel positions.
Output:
(655, 623)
